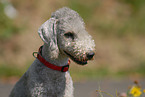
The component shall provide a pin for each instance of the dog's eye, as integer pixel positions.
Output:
(69, 35)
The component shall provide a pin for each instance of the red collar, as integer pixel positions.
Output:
(49, 65)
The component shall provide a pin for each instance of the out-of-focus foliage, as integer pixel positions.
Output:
(118, 27)
(128, 16)
(135, 23)
(85, 9)
(136, 5)
(7, 26)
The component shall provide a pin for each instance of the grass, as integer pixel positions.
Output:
(79, 73)
(133, 71)
(102, 72)
(88, 73)
(6, 71)
(11, 70)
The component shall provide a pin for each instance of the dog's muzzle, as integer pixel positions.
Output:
(82, 60)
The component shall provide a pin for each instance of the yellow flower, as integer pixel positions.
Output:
(144, 90)
(135, 91)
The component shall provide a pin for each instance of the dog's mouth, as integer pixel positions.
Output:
(78, 61)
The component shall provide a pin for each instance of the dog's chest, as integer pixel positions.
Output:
(55, 85)
(45, 82)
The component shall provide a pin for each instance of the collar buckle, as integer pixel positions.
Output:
(65, 68)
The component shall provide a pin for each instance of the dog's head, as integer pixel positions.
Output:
(65, 33)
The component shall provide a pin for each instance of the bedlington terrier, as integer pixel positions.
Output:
(64, 37)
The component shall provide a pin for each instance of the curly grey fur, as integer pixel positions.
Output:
(64, 36)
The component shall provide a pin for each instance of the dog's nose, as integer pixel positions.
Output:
(90, 55)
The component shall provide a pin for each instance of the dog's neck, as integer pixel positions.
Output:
(47, 54)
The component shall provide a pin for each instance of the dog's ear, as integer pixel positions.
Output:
(47, 31)
(48, 34)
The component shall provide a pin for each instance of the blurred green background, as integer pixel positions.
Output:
(117, 26)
